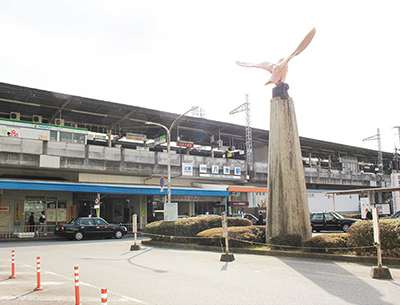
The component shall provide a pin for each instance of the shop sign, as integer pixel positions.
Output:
(17, 217)
(238, 203)
(87, 196)
(189, 198)
(218, 204)
(160, 140)
(4, 209)
(227, 170)
(185, 144)
(136, 136)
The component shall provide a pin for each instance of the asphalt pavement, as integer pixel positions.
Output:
(162, 276)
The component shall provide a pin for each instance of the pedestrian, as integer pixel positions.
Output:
(260, 218)
(42, 221)
(368, 215)
(31, 222)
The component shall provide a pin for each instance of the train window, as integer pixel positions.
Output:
(53, 135)
(65, 137)
(78, 138)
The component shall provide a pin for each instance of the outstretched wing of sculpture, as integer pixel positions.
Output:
(264, 65)
(306, 41)
(279, 69)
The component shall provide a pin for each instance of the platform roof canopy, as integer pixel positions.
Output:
(101, 116)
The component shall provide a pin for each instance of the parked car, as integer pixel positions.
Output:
(81, 227)
(395, 215)
(331, 221)
(250, 217)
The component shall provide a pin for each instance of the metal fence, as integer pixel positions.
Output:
(43, 231)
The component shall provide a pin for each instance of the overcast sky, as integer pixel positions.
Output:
(172, 55)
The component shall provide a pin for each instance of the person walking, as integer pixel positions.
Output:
(368, 215)
(260, 218)
(42, 221)
(31, 222)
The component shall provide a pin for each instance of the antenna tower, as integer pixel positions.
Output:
(245, 107)
(380, 158)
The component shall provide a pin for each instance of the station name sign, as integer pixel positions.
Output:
(185, 144)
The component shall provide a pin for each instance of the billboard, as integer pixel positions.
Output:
(396, 195)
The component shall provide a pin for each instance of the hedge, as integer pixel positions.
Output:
(327, 243)
(251, 235)
(285, 242)
(361, 237)
(189, 227)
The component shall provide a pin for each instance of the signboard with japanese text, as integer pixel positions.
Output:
(185, 144)
(170, 211)
(187, 169)
(396, 195)
(160, 140)
(214, 169)
(136, 136)
(203, 168)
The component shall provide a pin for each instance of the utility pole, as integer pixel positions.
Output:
(395, 149)
(380, 158)
(168, 132)
(249, 135)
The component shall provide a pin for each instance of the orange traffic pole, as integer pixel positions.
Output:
(76, 273)
(104, 296)
(12, 265)
(38, 286)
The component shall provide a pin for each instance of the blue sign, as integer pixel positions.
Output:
(162, 182)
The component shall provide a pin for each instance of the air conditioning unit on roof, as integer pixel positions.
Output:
(37, 118)
(15, 116)
(59, 122)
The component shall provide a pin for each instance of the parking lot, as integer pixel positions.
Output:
(162, 276)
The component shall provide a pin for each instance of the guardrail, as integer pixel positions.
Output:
(41, 231)
(26, 231)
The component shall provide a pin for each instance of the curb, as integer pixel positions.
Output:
(365, 260)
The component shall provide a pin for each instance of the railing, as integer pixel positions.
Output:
(43, 231)
(26, 231)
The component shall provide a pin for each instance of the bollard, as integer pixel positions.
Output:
(378, 272)
(104, 296)
(76, 273)
(226, 257)
(12, 265)
(135, 246)
(38, 286)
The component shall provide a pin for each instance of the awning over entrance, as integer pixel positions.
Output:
(105, 188)
(248, 189)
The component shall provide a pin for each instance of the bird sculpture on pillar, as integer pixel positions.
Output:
(279, 70)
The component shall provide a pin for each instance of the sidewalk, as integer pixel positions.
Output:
(56, 288)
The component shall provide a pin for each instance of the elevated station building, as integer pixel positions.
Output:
(60, 152)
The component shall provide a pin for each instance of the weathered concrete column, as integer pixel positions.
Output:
(287, 211)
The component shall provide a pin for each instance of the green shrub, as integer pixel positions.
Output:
(239, 236)
(361, 237)
(288, 241)
(327, 243)
(188, 227)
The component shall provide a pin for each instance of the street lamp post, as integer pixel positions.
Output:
(168, 131)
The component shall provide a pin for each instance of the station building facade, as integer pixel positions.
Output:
(63, 154)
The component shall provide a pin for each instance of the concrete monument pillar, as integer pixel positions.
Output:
(287, 209)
